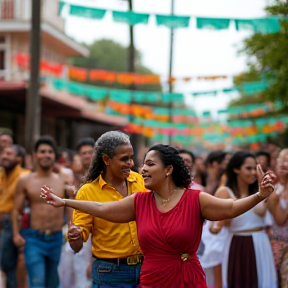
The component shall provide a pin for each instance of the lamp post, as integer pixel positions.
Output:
(33, 104)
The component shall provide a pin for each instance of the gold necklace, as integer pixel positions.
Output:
(164, 201)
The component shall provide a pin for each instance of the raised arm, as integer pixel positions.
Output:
(118, 211)
(279, 213)
(19, 201)
(216, 209)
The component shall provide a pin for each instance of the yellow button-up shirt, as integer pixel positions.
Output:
(109, 240)
(8, 187)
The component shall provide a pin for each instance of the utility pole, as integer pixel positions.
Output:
(131, 50)
(33, 104)
(170, 107)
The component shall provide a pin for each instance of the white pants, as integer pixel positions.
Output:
(72, 268)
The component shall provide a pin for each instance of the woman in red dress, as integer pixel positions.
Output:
(169, 218)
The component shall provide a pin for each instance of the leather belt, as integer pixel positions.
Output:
(131, 260)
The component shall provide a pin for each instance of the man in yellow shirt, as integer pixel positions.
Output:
(10, 172)
(115, 247)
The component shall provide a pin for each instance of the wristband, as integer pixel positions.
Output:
(258, 196)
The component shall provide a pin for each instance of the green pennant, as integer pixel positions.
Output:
(130, 17)
(61, 4)
(172, 97)
(212, 23)
(262, 25)
(87, 12)
(172, 21)
(95, 94)
(121, 96)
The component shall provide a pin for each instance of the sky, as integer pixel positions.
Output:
(195, 52)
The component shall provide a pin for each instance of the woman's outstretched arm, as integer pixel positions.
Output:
(216, 209)
(117, 211)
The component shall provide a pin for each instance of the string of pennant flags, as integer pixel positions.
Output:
(261, 25)
(183, 125)
(82, 74)
(97, 93)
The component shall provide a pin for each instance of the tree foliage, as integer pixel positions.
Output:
(108, 55)
(268, 59)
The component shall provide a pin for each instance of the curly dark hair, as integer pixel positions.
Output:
(170, 156)
(106, 144)
(236, 161)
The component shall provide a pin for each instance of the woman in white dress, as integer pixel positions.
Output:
(248, 259)
(278, 205)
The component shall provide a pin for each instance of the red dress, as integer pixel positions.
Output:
(164, 237)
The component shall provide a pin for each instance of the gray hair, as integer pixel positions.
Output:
(105, 145)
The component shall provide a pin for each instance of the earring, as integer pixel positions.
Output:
(106, 164)
(167, 174)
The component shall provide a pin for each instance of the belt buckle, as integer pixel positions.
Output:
(48, 232)
(133, 260)
(184, 257)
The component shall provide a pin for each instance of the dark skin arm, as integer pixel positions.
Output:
(117, 211)
(19, 201)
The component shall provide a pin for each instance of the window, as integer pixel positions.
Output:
(2, 60)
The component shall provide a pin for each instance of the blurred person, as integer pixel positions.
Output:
(43, 239)
(164, 215)
(214, 234)
(200, 171)
(189, 161)
(75, 268)
(278, 206)
(115, 247)
(10, 172)
(248, 244)
(263, 158)
(5, 140)
(215, 163)
(85, 150)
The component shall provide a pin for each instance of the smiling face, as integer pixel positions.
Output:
(282, 165)
(9, 158)
(121, 163)
(45, 156)
(247, 172)
(153, 171)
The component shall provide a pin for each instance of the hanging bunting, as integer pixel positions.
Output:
(212, 23)
(262, 25)
(61, 5)
(172, 21)
(122, 96)
(172, 97)
(76, 73)
(214, 92)
(87, 12)
(102, 75)
(130, 17)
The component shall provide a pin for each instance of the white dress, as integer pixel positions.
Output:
(266, 271)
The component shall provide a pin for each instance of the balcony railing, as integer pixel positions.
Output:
(21, 10)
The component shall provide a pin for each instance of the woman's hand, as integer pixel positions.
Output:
(74, 232)
(47, 193)
(265, 181)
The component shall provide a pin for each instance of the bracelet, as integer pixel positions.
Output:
(258, 196)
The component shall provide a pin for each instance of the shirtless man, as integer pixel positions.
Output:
(43, 240)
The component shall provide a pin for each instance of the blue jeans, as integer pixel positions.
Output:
(42, 254)
(9, 254)
(107, 275)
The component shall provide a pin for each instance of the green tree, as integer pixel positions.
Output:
(268, 61)
(268, 58)
(108, 55)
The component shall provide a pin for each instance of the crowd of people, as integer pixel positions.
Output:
(119, 225)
